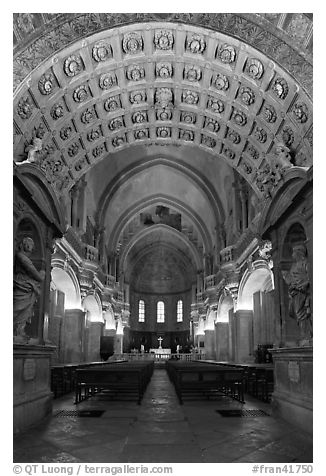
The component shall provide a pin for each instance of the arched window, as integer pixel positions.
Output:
(179, 311)
(141, 311)
(160, 311)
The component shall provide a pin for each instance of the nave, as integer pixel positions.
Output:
(161, 430)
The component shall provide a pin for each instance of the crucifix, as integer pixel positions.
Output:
(160, 341)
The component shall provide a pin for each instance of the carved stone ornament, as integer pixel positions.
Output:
(101, 51)
(73, 149)
(233, 136)
(141, 134)
(195, 43)
(57, 111)
(25, 22)
(135, 72)
(300, 112)
(139, 117)
(226, 53)
(215, 104)
(39, 131)
(220, 82)
(107, 81)
(112, 103)
(192, 73)
(239, 117)
(164, 114)
(65, 132)
(73, 65)
(132, 43)
(211, 124)
(88, 116)
(252, 151)
(269, 113)
(163, 132)
(163, 40)
(52, 167)
(188, 117)
(94, 134)
(118, 141)
(164, 70)
(208, 141)
(247, 168)
(190, 97)
(98, 150)
(80, 164)
(260, 135)
(247, 96)
(265, 249)
(46, 84)
(164, 97)
(269, 177)
(25, 108)
(116, 124)
(254, 68)
(186, 135)
(137, 97)
(228, 153)
(288, 136)
(81, 93)
(280, 88)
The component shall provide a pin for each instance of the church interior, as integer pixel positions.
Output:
(162, 179)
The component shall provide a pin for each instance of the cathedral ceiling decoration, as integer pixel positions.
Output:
(161, 83)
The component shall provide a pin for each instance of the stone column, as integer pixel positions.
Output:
(232, 335)
(257, 320)
(118, 344)
(95, 331)
(222, 341)
(244, 342)
(56, 320)
(73, 335)
(210, 344)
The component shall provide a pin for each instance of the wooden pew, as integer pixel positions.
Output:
(194, 380)
(127, 379)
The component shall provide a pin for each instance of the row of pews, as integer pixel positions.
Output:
(197, 379)
(258, 378)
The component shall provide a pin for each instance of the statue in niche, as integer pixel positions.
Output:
(27, 288)
(297, 280)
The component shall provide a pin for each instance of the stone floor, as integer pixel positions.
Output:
(161, 430)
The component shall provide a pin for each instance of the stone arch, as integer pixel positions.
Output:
(66, 281)
(259, 278)
(93, 307)
(225, 304)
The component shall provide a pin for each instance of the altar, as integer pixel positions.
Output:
(160, 351)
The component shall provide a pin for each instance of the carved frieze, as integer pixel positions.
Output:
(112, 103)
(107, 80)
(73, 65)
(220, 82)
(132, 43)
(226, 53)
(163, 132)
(137, 97)
(188, 117)
(208, 141)
(81, 93)
(216, 105)
(300, 112)
(163, 70)
(247, 96)
(280, 88)
(88, 115)
(254, 68)
(25, 107)
(141, 134)
(195, 43)
(260, 134)
(52, 167)
(164, 97)
(101, 51)
(57, 111)
(211, 124)
(46, 84)
(66, 132)
(135, 72)
(190, 97)
(239, 117)
(192, 73)
(186, 135)
(116, 124)
(25, 22)
(163, 40)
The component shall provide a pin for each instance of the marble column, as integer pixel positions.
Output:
(210, 344)
(244, 341)
(222, 341)
(95, 331)
(73, 335)
(56, 320)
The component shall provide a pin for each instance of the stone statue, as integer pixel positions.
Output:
(32, 151)
(297, 280)
(27, 287)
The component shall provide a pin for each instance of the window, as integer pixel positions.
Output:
(141, 311)
(160, 311)
(179, 311)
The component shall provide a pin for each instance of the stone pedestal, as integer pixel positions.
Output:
(292, 398)
(118, 344)
(31, 384)
(243, 336)
(73, 336)
(95, 330)
(210, 352)
(222, 341)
